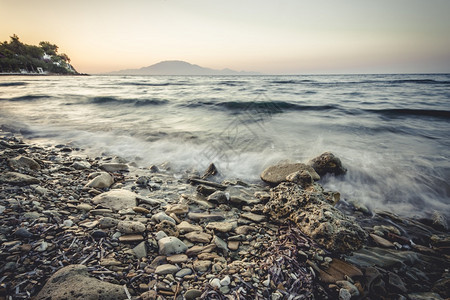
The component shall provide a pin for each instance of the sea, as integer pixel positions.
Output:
(392, 132)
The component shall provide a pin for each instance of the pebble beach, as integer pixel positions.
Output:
(79, 227)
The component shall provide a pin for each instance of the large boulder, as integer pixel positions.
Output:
(327, 163)
(277, 173)
(116, 199)
(73, 282)
(316, 217)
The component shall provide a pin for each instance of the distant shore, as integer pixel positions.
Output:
(37, 74)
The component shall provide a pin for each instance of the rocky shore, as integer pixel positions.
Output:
(78, 227)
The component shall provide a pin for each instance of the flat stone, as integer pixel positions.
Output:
(205, 216)
(183, 272)
(381, 241)
(244, 229)
(202, 265)
(177, 258)
(131, 238)
(116, 199)
(277, 173)
(18, 178)
(110, 262)
(73, 282)
(101, 180)
(221, 244)
(194, 250)
(140, 250)
(166, 269)
(130, 227)
(114, 167)
(337, 270)
(218, 197)
(162, 216)
(141, 210)
(253, 217)
(221, 226)
(201, 237)
(81, 165)
(171, 245)
(177, 209)
(84, 207)
(185, 227)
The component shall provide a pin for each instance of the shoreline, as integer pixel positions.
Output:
(235, 240)
(37, 74)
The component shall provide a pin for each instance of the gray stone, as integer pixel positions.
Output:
(101, 180)
(114, 167)
(327, 163)
(23, 162)
(116, 199)
(278, 173)
(18, 178)
(183, 272)
(185, 227)
(107, 222)
(344, 294)
(130, 227)
(140, 250)
(161, 216)
(192, 294)
(171, 245)
(73, 282)
(218, 197)
(205, 216)
(160, 234)
(221, 244)
(221, 226)
(166, 269)
(215, 283)
(81, 165)
(225, 281)
(201, 237)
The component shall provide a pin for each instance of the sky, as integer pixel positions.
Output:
(272, 37)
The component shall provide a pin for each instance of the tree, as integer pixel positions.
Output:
(49, 48)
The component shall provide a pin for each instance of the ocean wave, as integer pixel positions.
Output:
(28, 98)
(292, 81)
(18, 83)
(262, 106)
(401, 112)
(152, 84)
(117, 100)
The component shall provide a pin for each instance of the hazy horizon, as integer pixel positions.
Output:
(285, 37)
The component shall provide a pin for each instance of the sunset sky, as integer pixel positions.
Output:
(273, 37)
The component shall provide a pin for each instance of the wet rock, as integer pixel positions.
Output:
(18, 178)
(303, 178)
(73, 282)
(81, 165)
(171, 245)
(130, 227)
(337, 270)
(23, 233)
(327, 163)
(348, 286)
(23, 162)
(116, 199)
(101, 180)
(395, 281)
(315, 217)
(424, 296)
(381, 241)
(218, 197)
(344, 294)
(114, 167)
(276, 174)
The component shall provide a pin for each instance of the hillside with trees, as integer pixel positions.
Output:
(19, 58)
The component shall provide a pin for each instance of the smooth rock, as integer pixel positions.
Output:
(114, 167)
(171, 245)
(81, 165)
(186, 227)
(130, 227)
(166, 269)
(23, 233)
(225, 281)
(23, 162)
(18, 178)
(202, 265)
(218, 197)
(177, 209)
(160, 234)
(381, 241)
(221, 226)
(201, 237)
(116, 199)
(73, 282)
(100, 181)
(131, 238)
(253, 217)
(107, 222)
(84, 207)
(183, 272)
(277, 173)
(205, 216)
(221, 244)
(192, 294)
(177, 258)
(327, 163)
(161, 216)
(215, 283)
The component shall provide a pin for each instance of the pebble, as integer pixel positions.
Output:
(183, 272)
(140, 250)
(200, 237)
(171, 245)
(130, 227)
(166, 269)
(160, 234)
(202, 265)
(162, 216)
(215, 282)
(192, 294)
(220, 226)
(225, 281)
(177, 258)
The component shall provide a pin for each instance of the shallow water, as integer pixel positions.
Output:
(391, 131)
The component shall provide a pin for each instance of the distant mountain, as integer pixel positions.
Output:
(177, 67)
